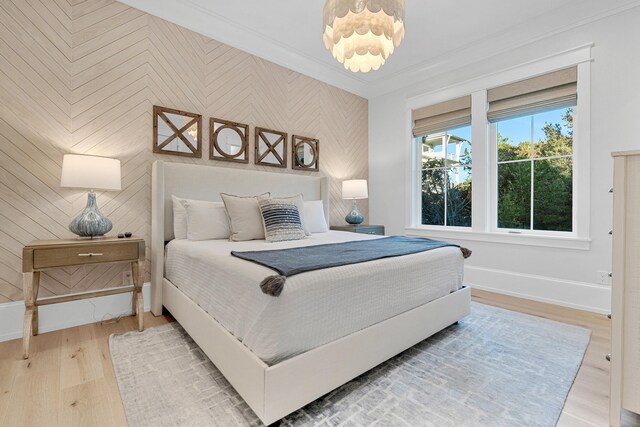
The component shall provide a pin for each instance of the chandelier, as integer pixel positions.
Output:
(361, 34)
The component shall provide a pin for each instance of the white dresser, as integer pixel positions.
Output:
(625, 295)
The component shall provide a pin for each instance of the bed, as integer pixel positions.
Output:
(346, 320)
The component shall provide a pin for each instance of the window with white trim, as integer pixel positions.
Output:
(534, 171)
(526, 170)
(442, 135)
(446, 177)
(532, 137)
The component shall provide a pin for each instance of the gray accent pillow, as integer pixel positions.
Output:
(281, 219)
(245, 220)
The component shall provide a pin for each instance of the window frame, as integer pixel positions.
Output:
(493, 203)
(484, 170)
(445, 168)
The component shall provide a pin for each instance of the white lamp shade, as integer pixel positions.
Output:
(90, 172)
(355, 189)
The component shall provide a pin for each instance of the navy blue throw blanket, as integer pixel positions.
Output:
(292, 261)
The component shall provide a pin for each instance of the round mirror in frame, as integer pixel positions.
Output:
(306, 153)
(229, 141)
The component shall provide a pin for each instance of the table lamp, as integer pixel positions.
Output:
(354, 189)
(92, 173)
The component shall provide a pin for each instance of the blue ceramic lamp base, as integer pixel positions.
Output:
(91, 223)
(354, 217)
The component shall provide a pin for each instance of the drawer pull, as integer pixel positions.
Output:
(608, 357)
(90, 254)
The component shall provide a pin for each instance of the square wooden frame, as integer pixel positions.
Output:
(159, 111)
(296, 141)
(259, 134)
(240, 128)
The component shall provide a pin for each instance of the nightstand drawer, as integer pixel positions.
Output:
(84, 254)
(369, 230)
(361, 229)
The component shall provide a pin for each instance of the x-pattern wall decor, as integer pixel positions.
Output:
(270, 147)
(177, 132)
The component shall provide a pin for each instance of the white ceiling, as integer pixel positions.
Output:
(440, 34)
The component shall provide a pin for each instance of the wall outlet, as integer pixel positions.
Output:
(603, 277)
(126, 278)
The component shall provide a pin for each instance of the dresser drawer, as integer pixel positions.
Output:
(84, 254)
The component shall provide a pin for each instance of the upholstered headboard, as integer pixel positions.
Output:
(203, 182)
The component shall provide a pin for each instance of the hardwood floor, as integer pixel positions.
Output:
(69, 380)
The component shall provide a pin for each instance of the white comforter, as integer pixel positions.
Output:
(315, 307)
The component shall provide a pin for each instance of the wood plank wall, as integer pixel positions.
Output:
(82, 77)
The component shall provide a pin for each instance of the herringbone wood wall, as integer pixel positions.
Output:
(82, 76)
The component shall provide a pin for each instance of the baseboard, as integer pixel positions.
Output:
(567, 293)
(68, 314)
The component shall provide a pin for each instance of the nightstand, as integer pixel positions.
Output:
(364, 229)
(41, 255)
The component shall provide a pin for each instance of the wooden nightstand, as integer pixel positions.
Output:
(42, 255)
(364, 229)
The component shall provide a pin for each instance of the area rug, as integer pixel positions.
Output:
(494, 368)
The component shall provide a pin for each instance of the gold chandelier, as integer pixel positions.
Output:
(361, 34)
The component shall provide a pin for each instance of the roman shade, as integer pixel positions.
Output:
(442, 116)
(542, 93)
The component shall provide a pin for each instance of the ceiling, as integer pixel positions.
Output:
(440, 34)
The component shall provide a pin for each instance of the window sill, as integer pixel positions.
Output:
(503, 238)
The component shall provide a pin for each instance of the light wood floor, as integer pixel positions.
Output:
(69, 380)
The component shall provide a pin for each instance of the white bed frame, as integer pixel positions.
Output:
(275, 391)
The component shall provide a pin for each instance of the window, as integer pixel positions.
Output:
(518, 179)
(446, 177)
(442, 137)
(535, 171)
(532, 129)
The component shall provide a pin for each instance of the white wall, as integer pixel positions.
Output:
(563, 276)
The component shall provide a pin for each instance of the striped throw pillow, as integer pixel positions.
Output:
(281, 220)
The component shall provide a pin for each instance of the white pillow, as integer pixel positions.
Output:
(179, 218)
(244, 217)
(314, 216)
(299, 202)
(206, 220)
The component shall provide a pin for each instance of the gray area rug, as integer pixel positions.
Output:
(494, 368)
